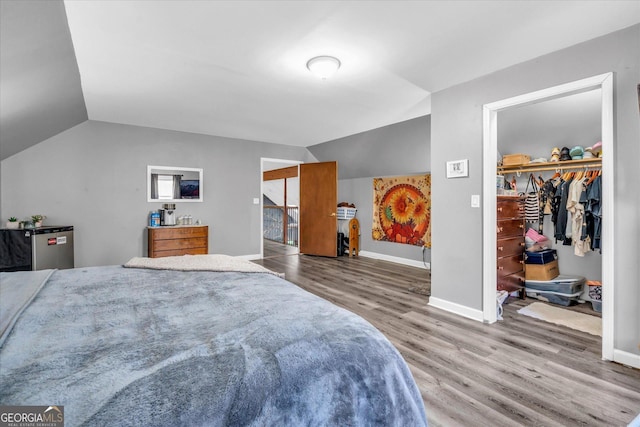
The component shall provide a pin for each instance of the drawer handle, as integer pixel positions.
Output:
(521, 226)
(499, 209)
(521, 262)
(522, 244)
(500, 248)
(501, 268)
(499, 229)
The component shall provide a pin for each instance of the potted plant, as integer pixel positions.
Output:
(13, 223)
(37, 220)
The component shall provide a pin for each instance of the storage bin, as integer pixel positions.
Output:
(346, 213)
(597, 305)
(541, 257)
(595, 292)
(554, 297)
(563, 284)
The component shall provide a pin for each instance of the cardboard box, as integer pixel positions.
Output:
(515, 159)
(548, 271)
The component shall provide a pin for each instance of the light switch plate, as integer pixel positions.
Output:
(256, 201)
(475, 200)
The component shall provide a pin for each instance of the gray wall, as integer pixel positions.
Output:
(93, 177)
(456, 124)
(39, 77)
(399, 149)
(562, 122)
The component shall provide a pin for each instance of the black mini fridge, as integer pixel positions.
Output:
(36, 248)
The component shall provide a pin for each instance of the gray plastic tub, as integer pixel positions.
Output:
(563, 284)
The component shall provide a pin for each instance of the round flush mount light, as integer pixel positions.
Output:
(323, 66)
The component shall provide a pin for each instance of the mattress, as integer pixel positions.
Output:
(155, 346)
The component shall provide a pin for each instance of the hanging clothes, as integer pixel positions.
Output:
(562, 217)
(576, 209)
(547, 191)
(588, 228)
(594, 195)
(574, 203)
(587, 224)
(555, 199)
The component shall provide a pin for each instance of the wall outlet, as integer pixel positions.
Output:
(256, 201)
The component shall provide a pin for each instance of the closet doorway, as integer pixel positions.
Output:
(603, 87)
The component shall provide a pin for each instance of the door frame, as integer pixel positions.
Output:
(604, 82)
(262, 162)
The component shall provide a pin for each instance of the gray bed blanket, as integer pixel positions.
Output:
(123, 346)
(17, 290)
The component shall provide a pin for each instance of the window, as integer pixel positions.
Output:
(165, 187)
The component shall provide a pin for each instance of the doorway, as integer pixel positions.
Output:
(284, 196)
(604, 83)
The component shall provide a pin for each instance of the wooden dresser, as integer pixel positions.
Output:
(510, 243)
(178, 240)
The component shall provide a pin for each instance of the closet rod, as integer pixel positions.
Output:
(552, 166)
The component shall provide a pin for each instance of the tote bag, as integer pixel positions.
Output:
(532, 202)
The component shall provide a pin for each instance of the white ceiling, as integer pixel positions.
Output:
(237, 68)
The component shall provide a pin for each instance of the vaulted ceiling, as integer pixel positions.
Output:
(238, 68)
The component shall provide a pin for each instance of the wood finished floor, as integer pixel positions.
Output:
(520, 371)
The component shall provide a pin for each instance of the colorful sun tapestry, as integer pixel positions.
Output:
(402, 209)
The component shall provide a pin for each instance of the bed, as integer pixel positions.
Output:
(154, 344)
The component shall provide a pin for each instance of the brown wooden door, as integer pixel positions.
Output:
(318, 202)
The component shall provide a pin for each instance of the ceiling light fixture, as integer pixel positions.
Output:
(323, 66)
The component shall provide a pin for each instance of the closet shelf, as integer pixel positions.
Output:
(552, 166)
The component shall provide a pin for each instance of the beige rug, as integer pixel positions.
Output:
(561, 316)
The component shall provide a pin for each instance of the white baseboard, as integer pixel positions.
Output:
(458, 309)
(626, 358)
(397, 260)
(251, 257)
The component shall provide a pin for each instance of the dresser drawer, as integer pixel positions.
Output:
(181, 251)
(511, 283)
(510, 246)
(194, 242)
(178, 232)
(509, 208)
(510, 264)
(510, 228)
